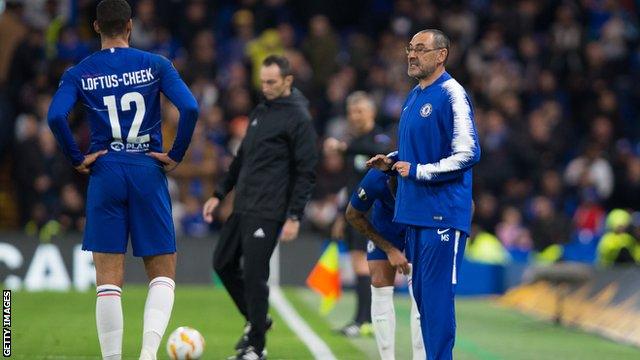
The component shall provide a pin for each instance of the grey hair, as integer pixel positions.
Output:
(440, 40)
(359, 96)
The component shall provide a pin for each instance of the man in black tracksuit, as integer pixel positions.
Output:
(273, 175)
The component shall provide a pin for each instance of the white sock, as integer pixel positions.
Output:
(417, 344)
(157, 311)
(109, 321)
(383, 316)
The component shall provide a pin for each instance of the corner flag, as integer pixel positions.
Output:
(325, 278)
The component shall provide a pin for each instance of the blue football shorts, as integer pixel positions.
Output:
(375, 253)
(127, 199)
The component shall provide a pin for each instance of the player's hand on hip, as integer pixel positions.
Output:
(380, 162)
(168, 163)
(399, 261)
(209, 207)
(85, 166)
(402, 167)
(290, 230)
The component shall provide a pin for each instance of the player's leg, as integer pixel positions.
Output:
(153, 239)
(106, 235)
(357, 244)
(437, 260)
(383, 315)
(417, 344)
(161, 271)
(109, 319)
(259, 239)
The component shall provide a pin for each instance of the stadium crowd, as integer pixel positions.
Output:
(554, 85)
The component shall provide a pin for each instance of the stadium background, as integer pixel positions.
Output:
(555, 89)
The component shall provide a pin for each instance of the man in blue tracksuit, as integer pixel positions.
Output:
(438, 146)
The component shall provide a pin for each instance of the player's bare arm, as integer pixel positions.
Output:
(381, 162)
(209, 207)
(359, 221)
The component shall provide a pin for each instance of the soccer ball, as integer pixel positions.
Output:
(185, 343)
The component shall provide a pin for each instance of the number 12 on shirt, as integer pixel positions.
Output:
(125, 105)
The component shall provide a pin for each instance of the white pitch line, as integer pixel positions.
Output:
(318, 348)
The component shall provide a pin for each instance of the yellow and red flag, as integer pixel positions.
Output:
(325, 278)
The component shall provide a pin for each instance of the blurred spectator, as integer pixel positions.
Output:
(589, 217)
(512, 232)
(143, 35)
(71, 215)
(268, 43)
(548, 226)
(591, 169)
(321, 48)
(484, 247)
(486, 212)
(12, 31)
(191, 222)
(70, 46)
(198, 167)
(203, 60)
(617, 246)
(323, 207)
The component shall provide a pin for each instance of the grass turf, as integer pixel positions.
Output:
(62, 326)
(485, 331)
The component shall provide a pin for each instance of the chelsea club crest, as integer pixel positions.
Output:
(425, 110)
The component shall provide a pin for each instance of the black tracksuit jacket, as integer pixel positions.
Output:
(274, 170)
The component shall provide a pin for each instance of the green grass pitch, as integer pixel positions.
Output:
(62, 326)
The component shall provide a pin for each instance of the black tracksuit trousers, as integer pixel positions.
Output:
(253, 239)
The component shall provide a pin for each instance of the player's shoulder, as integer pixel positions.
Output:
(147, 56)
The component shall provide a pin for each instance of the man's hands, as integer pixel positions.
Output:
(168, 163)
(383, 163)
(398, 261)
(402, 167)
(380, 162)
(290, 230)
(209, 207)
(85, 166)
(332, 145)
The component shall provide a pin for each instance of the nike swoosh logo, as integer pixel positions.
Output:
(440, 232)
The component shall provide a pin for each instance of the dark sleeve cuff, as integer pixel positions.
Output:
(175, 157)
(219, 194)
(412, 171)
(294, 215)
(391, 172)
(77, 161)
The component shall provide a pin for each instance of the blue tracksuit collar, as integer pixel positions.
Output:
(444, 77)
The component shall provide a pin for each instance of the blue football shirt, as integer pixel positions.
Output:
(374, 192)
(120, 90)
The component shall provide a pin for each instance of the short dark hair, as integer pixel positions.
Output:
(440, 40)
(281, 61)
(112, 17)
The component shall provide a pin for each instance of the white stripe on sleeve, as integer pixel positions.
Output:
(463, 143)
